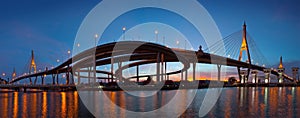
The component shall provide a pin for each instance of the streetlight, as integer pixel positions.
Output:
(124, 29)
(156, 34)
(69, 52)
(94, 59)
(177, 43)
(78, 44)
(96, 37)
(57, 60)
(3, 74)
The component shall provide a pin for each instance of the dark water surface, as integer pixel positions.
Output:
(233, 102)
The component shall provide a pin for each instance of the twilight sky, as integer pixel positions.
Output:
(49, 28)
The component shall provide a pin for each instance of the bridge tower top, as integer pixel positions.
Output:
(14, 74)
(280, 64)
(244, 46)
(32, 63)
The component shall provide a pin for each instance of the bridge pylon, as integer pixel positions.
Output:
(280, 71)
(32, 65)
(14, 74)
(244, 47)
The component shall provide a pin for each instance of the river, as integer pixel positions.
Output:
(232, 102)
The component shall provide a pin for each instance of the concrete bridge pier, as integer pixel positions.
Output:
(67, 78)
(57, 82)
(166, 77)
(158, 58)
(53, 79)
(112, 69)
(120, 74)
(162, 66)
(78, 77)
(137, 74)
(219, 72)
(243, 75)
(280, 76)
(254, 76)
(89, 74)
(194, 71)
(30, 81)
(186, 75)
(267, 75)
(181, 75)
(43, 76)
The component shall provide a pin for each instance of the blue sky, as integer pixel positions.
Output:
(49, 28)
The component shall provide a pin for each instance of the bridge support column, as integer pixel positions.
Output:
(57, 77)
(35, 80)
(158, 67)
(68, 75)
(267, 75)
(254, 76)
(43, 76)
(280, 76)
(78, 78)
(239, 73)
(219, 72)
(120, 74)
(162, 66)
(67, 78)
(112, 69)
(166, 76)
(53, 79)
(194, 71)
(89, 75)
(137, 74)
(72, 78)
(30, 81)
(243, 75)
(181, 75)
(186, 75)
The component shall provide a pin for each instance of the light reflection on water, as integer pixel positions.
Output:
(233, 102)
(38, 104)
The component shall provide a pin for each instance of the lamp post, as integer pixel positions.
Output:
(156, 35)
(68, 73)
(3, 74)
(94, 60)
(124, 29)
(69, 53)
(96, 37)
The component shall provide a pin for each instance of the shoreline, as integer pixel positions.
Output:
(66, 88)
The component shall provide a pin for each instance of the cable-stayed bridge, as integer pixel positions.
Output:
(240, 52)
